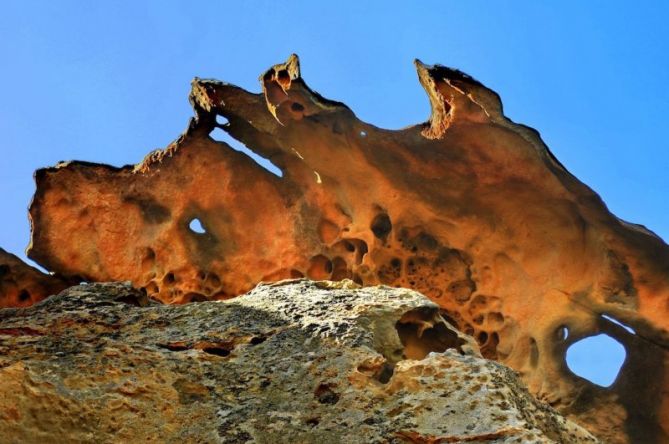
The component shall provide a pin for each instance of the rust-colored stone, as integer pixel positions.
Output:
(470, 209)
(22, 285)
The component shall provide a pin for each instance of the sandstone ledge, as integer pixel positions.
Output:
(295, 361)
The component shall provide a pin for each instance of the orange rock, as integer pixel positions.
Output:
(22, 285)
(470, 209)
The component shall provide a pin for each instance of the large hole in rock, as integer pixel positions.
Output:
(596, 358)
(422, 331)
(219, 135)
(381, 226)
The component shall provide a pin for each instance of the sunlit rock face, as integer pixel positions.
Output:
(470, 209)
(299, 362)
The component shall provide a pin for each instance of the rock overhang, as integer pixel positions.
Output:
(469, 208)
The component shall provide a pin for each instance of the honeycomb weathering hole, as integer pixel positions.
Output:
(381, 226)
(422, 331)
(597, 358)
(320, 267)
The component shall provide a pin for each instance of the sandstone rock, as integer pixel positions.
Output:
(292, 362)
(22, 285)
(470, 209)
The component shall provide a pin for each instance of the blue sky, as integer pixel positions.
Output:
(108, 81)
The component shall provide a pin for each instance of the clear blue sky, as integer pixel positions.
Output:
(108, 81)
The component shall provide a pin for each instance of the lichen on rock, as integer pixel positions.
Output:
(297, 361)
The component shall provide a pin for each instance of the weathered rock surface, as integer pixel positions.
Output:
(22, 285)
(294, 362)
(470, 209)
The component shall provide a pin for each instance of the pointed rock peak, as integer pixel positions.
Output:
(283, 84)
(444, 73)
(276, 83)
(454, 95)
(202, 95)
(283, 74)
(440, 117)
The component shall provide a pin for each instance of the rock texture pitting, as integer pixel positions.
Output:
(294, 362)
(470, 209)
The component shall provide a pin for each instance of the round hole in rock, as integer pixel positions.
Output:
(24, 295)
(221, 120)
(421, 335)
(321, 267)
(283, 75)
(596, 358)
(326, 395)
(196, 226)
(381, 226)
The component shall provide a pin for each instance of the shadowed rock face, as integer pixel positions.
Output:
(299, 362)
(22, 285)
(470, 209)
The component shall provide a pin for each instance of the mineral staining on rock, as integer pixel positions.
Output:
(470, 209)
(22, 285)
(292, 362)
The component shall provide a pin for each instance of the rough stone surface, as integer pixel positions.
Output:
(22, 285)
(469, 208)
(293, 362)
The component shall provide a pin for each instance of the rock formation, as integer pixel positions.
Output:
(22, 285)
(470, 209)
(287, 363)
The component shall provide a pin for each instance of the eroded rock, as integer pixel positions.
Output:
(293, 362)
(470, 209)
(22, 285)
